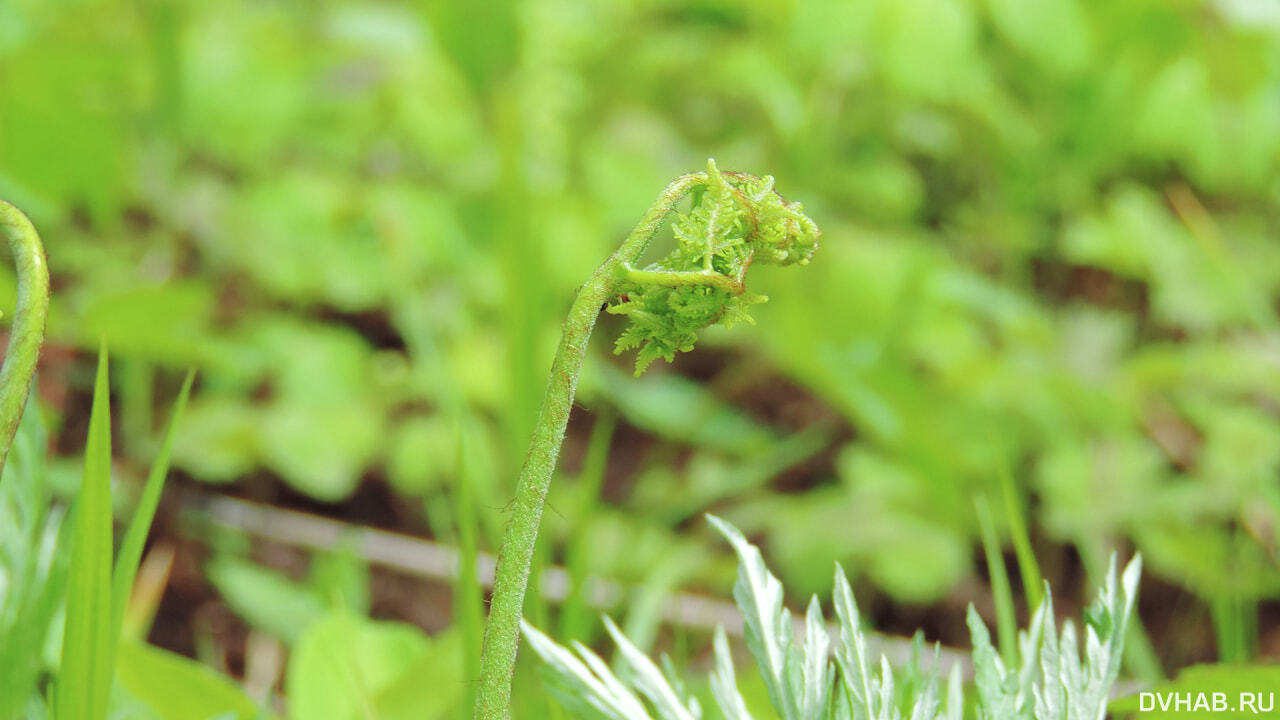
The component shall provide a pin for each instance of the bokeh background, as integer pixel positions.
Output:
(1048, 283)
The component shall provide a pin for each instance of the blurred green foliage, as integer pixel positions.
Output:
(1049, 250)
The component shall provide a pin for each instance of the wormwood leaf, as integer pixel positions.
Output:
(817, 664)
(649, 680)
(1052, 682)
(768, 623)
(588, 689)
(724, 682)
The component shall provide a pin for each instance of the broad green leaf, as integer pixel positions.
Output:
(1227, 691)
(265, 598)
(178, 688)
(348, 668)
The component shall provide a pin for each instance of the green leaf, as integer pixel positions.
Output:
(587, 687)
(649, 680)
(349, 668)
(768, 623)
(724, 682)
(88, 649)
(136, 536)
(32, 571)
(1196, 687)
(178, 688)
(265, 598)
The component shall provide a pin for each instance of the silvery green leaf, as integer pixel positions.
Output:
(888, 710)
(724, 683)
(955, 695)
(617, 689)
(1029, 641)
(1050, 696)
(817, 664)
(925, 705)
(649, 680)
(677, 683)
(995, 696)
(589, 689)
(1106, 624)
(855, 669)
(841, 704)
(1071, 673)
(768, 624)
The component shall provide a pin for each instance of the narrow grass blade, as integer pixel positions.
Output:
(84, 680)
(1027, 564)
(1001, 590)
(468, 596)
(136, 536)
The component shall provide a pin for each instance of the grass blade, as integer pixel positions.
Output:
(84, 680)
(1027, 565)
(1001, 590)
(136, 536)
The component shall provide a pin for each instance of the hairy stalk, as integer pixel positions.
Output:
(27, 332)
(502, 632)
(762, 223)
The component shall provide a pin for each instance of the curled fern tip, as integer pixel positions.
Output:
(734, 220)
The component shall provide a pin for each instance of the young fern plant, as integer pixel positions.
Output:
(735, 220)
(1050, 681)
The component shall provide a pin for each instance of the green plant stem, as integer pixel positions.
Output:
(1001, 588)
(27, 333)
(502, 632)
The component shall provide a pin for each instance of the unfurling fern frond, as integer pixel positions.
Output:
(735, 220)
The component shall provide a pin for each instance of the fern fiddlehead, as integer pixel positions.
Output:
(27, 333)
(736, 219)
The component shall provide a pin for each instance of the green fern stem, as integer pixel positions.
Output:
(737, 218)
(511, 579)
(27, 333)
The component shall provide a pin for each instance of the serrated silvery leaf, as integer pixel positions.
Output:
(955, 695)
(1105, 634)
(817, 664)
(1050, 695)
(649, 680)
(888, 709)
(855, 670)
(840, 703)
(724, 683)
(768, 623)
(677, 683)
(995, 696)
(1029, 642)
(925, 705)
(588, 684)
(618, 691)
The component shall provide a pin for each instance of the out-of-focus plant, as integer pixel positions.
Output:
(1050, 680)
(735, 220)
